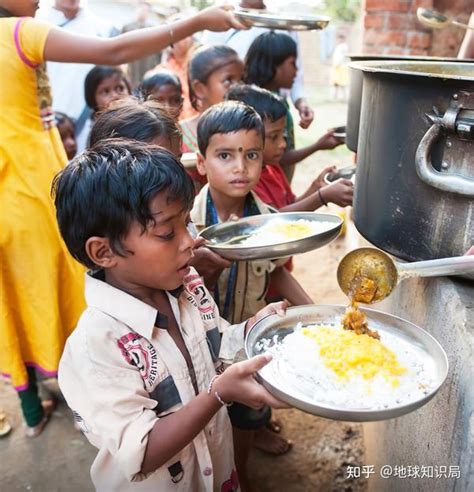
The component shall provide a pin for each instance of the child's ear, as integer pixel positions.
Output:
(201, 164)
(99, 251)
(199, 89)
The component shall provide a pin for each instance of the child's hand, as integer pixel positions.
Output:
(219, 19)
(208, 264)
(305, 112)
(237, 383)
(272, 308)
(470, 251)
(319, 181)
(328, 141)
(341, 192)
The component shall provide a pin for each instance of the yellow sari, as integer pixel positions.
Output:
(41, 286)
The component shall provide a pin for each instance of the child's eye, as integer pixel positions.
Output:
(166, 237)
(253, 156)
(224, 156)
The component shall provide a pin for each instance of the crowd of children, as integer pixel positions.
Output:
(152, 371)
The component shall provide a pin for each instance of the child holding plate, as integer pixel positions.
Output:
(231, 140)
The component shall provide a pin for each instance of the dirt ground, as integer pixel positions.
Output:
(60, 458)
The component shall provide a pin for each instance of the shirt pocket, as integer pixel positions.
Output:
(178, 473)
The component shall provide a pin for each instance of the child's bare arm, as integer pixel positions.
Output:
(172, 433)
(327, 142)
(63, 46)
(340, 192)
(317, 183)
(288, 287)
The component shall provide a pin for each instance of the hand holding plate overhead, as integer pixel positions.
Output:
(283, 20)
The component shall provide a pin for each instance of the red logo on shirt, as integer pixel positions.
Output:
(232, 484)
(195, 285)
(139, 352)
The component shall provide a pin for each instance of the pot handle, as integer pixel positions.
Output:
(427, 173)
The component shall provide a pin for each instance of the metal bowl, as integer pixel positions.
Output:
(340, 133)
(344, 172)
(285, 21)
(225, 238)
(282, 387)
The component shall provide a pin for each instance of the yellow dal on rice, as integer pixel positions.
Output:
(349, 354)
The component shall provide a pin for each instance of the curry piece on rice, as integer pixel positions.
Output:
(355, 320)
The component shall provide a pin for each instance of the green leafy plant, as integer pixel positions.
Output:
(345, 10)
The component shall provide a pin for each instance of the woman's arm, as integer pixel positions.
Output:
(288, 287)
(63, 46)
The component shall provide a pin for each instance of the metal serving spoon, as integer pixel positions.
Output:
(437, 20)
(369, 275)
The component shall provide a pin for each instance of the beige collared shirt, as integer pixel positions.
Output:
(120, 372)
(252, 277)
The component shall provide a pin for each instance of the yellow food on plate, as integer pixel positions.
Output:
(349, 354)
(292, 230)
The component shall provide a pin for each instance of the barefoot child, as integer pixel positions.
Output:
(230, 137)
(142, 371)
(212, 71)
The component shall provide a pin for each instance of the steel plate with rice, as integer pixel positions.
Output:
(271, 236)
(284, 20)
(311, 372)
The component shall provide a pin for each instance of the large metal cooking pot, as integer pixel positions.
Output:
(415, 174)
(355, 88)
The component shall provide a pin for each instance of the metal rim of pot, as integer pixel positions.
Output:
(396, 67)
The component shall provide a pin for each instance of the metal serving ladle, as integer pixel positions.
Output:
(437, 20)
(369, 275)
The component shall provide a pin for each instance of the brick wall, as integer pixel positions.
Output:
(391, 27)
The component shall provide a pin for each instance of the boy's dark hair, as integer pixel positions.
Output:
(267, 104)
(205, 61)
(134, 119)
(227, 117)
(61, 118)
(101, 191)
(266, 53)
(159, 78)
(95, 76)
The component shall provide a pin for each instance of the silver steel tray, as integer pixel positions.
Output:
(382, 322)
(343, 172)
(224, 238)
(284, 21)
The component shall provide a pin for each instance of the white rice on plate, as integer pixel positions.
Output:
(297, 364)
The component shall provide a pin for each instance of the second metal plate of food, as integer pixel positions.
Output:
(229, 239)
(284, 21)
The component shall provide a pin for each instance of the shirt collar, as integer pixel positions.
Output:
(198, 213)
(133, 312)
